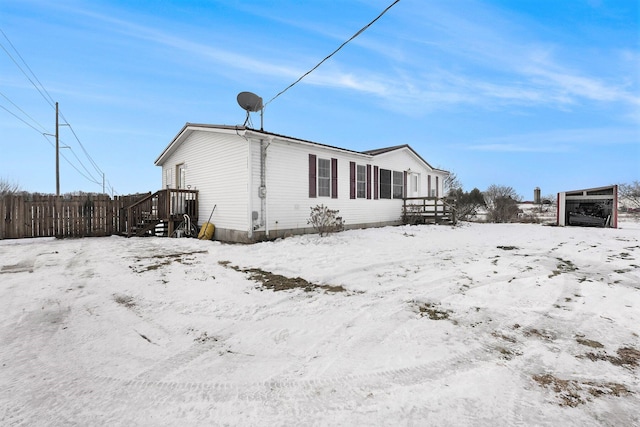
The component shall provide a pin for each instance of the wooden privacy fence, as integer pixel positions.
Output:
(23, 216)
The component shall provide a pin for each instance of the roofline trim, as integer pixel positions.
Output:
(246, 131)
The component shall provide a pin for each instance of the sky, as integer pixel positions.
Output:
(516, 93)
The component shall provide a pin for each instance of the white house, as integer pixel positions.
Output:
(264, 184)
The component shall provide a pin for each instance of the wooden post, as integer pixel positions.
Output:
(57, 155)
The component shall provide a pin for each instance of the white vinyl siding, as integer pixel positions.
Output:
(225, 168)
(212, 159)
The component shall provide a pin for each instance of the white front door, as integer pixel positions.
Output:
(181, 173)
(414, 184)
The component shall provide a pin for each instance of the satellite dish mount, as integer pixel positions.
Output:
(250, 102)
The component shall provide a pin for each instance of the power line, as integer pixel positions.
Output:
(21, 119)
(334, 52)
(42, 90)
(89, 178)
(21, 110)
(86, 153)
(49, 100)
(44, 135)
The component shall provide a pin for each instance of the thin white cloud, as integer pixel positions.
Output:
(560, 140)
(228, 58)
(528, 72)
(502, 62)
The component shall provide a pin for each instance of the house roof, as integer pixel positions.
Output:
(384, 150)
(597, 191)
(188, 128)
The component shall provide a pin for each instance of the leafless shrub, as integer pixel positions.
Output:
(8, 187)
(325, 220)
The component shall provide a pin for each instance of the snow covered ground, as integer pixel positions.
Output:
(481, 324)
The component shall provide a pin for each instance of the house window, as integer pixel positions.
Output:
(324, 178)
(398, 185)
(385, 184)
(361, 182)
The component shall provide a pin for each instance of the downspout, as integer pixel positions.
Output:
(263, 185)
(249, 186)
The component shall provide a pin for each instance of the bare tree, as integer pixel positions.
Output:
(629, 194)
(501, 202)
(7, 187)
(451, 184)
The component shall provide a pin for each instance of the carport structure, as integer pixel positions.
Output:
(593, 207)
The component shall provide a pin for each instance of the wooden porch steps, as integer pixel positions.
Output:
(167, 205)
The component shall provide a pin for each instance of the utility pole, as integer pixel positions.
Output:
(57, 155)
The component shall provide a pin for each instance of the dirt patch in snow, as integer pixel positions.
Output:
(589, 343)
(574, 392)
(432, 311)
(539, 333)
(161, 260)
(124, 300)
(278, 282)
(204, 338)
(563, 266)
(628, 357)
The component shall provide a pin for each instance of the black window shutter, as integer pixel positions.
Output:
(352, 180)
(312, 175)
(368, 181)
(334, 178)
(375, 182)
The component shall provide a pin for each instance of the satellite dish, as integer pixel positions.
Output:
(249, 101)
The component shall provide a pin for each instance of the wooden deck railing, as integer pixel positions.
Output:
(167, 205)
(428, 210)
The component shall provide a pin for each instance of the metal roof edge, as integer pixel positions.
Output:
(385, 150)
(246, 130)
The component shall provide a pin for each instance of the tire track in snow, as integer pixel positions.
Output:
(78, 399)
(176, 362)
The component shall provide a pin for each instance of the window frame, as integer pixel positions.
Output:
(324, 181)
(397, 185)
(386, 183)
(361, 181)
